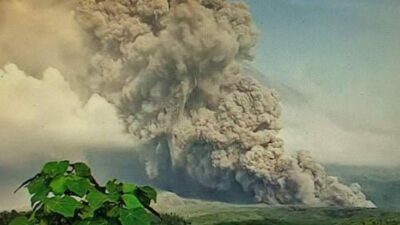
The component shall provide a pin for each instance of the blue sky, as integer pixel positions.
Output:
(343, 57)
(340, 39)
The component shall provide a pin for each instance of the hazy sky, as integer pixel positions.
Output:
(337, 66)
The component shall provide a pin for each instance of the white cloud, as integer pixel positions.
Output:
(45, 117)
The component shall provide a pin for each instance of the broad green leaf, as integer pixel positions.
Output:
(78, 185)
(82, 170)
(40, 196)
(113, 197)
(131, 201)
(38, 189)
(146, 194)
(21, 220)
(113, 187)
(128, 188)
(150, 192)
(86, 212)
(137, 216)
(113, 212)
(96, 199)
(27, 182)
(65, 206)
(59, 185)
(54, 169)
(37, 185)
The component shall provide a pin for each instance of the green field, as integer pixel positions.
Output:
(297, 216)
(216, 213)
(261, 215)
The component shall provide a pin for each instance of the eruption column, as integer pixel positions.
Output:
(172, 68)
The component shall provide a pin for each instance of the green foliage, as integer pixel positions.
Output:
(20, 220)
(134, 216)
(65, 205)
(167, 219)
(65, 193)
(7, 217)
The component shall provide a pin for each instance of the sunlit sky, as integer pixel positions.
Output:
(337, 66)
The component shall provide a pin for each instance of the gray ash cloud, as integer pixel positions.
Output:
(172, 68)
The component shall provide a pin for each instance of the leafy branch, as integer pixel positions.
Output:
(69, 192)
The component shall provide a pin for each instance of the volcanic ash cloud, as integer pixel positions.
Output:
(172, 68)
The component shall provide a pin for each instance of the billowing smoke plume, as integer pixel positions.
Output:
(172, 67)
